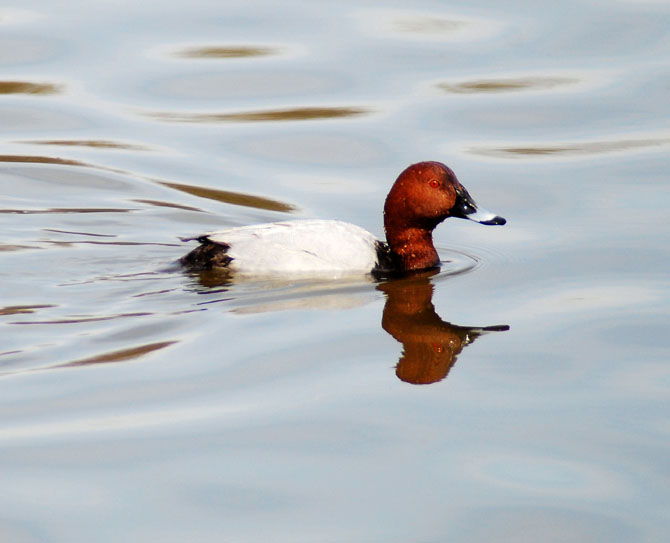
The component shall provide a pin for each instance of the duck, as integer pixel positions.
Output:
(423, 195)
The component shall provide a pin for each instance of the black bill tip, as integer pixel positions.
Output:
(495, 221)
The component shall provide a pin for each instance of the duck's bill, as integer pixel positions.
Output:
(483, 216)
(466, 208)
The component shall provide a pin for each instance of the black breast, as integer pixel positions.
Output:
(388, 263)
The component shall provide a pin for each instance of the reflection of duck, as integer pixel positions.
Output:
(421, 198)
(430, 345)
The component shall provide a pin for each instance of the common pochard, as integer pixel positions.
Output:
(423, 196)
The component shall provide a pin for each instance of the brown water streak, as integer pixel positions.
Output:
(118, 356)
(211, 52)
(572, 149)
(229, 197)
(22, 309)
(98, 144)
(290, 114)
(27, 87)
(506, 85)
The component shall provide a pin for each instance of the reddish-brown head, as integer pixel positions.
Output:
(423, 196)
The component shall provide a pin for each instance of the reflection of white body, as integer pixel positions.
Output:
(299, 246)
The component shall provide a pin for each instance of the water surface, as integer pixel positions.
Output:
(519, 394)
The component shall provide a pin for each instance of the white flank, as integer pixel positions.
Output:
(299, 246)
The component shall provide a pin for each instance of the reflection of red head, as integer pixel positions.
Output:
(422, 364)
(430, 345)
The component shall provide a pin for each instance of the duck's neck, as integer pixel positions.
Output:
(412, 246)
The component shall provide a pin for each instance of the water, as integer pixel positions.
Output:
(139, 402)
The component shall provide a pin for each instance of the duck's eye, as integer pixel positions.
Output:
(434, 183)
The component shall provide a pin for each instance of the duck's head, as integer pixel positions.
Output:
(423, 196)
(426, 193)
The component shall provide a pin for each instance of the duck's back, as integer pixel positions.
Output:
(297, 246)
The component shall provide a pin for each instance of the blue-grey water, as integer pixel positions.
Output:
(139, 402)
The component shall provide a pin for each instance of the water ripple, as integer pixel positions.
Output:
(225, 51)
(22, 309)
(28, 87)
(98, 144)
(80, 320)
(289, 114)
(41, 160)
(456, 262)
(120, 355)
(573, 149)
(475, 86)
(417, 25)
(66, 210)
(230, 197)
(226, 196)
